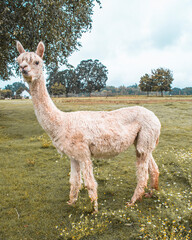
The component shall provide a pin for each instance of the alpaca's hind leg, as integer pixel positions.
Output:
(75, 181)
(154, 176)
(142, 177)
(90, 182)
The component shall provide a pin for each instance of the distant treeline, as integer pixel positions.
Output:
(135, 90)
(18, 87)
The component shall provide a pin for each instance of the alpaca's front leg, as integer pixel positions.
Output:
(75, 181)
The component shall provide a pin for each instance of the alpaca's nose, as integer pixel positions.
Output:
(23, 68)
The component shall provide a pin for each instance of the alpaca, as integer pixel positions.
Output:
(85, 134)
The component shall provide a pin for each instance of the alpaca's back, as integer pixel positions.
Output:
(111, 132)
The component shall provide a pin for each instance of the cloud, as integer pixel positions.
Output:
(133, 37)
(168, 22)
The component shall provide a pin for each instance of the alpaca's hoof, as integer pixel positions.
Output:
(71, 203)
(95, 207)
(95, 211)
(148, 195)
(129, 204)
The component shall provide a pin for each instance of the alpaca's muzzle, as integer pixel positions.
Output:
(25, 72)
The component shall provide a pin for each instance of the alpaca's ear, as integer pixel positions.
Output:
(40, 49)
(20, 47)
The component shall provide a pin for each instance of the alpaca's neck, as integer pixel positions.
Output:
(48, 115)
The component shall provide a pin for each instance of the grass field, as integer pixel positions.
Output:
(34, 179)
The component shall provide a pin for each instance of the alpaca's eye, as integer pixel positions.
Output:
(37, 63)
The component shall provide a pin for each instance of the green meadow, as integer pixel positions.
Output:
(34, 178)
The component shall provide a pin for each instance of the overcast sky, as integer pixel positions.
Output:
(132, 37)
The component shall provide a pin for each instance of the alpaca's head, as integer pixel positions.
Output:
(30, 63)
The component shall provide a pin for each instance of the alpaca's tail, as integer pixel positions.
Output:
(157, 141)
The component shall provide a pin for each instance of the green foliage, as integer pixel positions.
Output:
(67, 78)
(58, 23)
(34, 179)
(162, 79)
(88, 76)
(146, 84)
(16, 86)
(10, 90)
(58, 89)
(20, 90)
(121, 90)
(177, 91)
(159, 81)
(187, 91)
(92, 75)
(6, 93)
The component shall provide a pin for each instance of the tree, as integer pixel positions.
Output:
(15, 86)
(133, 90)
(67, 78)
(59, 23)
(159, 81)
(111, 89)
(187, 91)
(122, 90)
(51, 80)
(162, 80)
(58, 89)
(6, 93)
(176, 91)
(20, 90)
(146, 84)
(92, 75)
